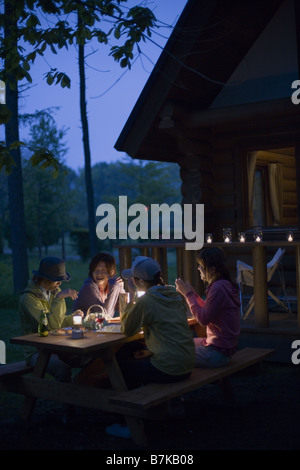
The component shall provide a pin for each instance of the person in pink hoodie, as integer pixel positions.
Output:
(219, 312)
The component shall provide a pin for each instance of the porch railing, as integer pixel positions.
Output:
(185, 266)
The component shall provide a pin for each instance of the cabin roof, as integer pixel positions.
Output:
(209, 41)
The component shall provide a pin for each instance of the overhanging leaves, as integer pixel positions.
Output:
(133, 25)
(42, 158)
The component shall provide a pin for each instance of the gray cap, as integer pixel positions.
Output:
(143, 267)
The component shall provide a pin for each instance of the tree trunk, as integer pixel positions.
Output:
(15, 181)
(87, 156)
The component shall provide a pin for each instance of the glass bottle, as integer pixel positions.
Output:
(43, 324)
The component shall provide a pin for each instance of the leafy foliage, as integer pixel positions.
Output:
(144, 182)
(132, 25)
(54, 25)
(6, 160)
(46, 206)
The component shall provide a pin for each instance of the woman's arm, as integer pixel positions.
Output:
(194, 301)
(112, 296)
(207, 311)
(88, 295)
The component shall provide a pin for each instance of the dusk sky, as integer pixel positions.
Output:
(111, 91)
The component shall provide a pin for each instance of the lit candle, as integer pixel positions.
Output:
(258, 235)
(242, 237)
(77, 321)
(227, 234)
(209, 238)
(77, 332)
(290, 237)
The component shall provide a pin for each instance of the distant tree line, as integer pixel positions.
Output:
(54, 206)
(56, 203)
(27, 30)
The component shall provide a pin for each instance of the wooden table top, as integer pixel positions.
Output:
(91, 341)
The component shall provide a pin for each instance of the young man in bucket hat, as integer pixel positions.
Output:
(43, 293)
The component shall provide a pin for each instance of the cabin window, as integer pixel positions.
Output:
(265, 189)
(258, 198)
(262, 215)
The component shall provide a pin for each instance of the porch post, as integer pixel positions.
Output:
(297, 253)
(261, 316)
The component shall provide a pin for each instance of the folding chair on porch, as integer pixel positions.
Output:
(245, 278)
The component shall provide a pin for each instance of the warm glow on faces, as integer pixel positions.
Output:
(50, 285)
(141, 287)
(100, 275)
(207, 275)
(202, 272)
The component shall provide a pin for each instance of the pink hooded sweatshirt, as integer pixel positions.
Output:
(219, 312)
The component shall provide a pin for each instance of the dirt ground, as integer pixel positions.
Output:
(265, 416)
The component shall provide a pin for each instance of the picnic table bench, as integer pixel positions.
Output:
(153, 394)
(145, 402)
(14, 369)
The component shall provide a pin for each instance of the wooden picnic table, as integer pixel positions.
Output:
(148, 401)
(94, 343)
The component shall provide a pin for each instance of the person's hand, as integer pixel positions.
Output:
(78, 312)
(183, 287)
(142, 354)
(67, 293)
(114, 280)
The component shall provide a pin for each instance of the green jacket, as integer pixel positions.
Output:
(31, 304)
(161, 313)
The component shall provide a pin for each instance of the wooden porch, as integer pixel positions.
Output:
(268, 324)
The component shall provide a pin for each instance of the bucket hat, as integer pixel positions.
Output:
(143, 267)
(53, 269)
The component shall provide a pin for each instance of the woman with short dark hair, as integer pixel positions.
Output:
(101, 287)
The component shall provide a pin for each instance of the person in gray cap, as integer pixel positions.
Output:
(161, 313)
(43, 293)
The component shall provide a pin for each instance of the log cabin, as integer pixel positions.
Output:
(223, 102)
